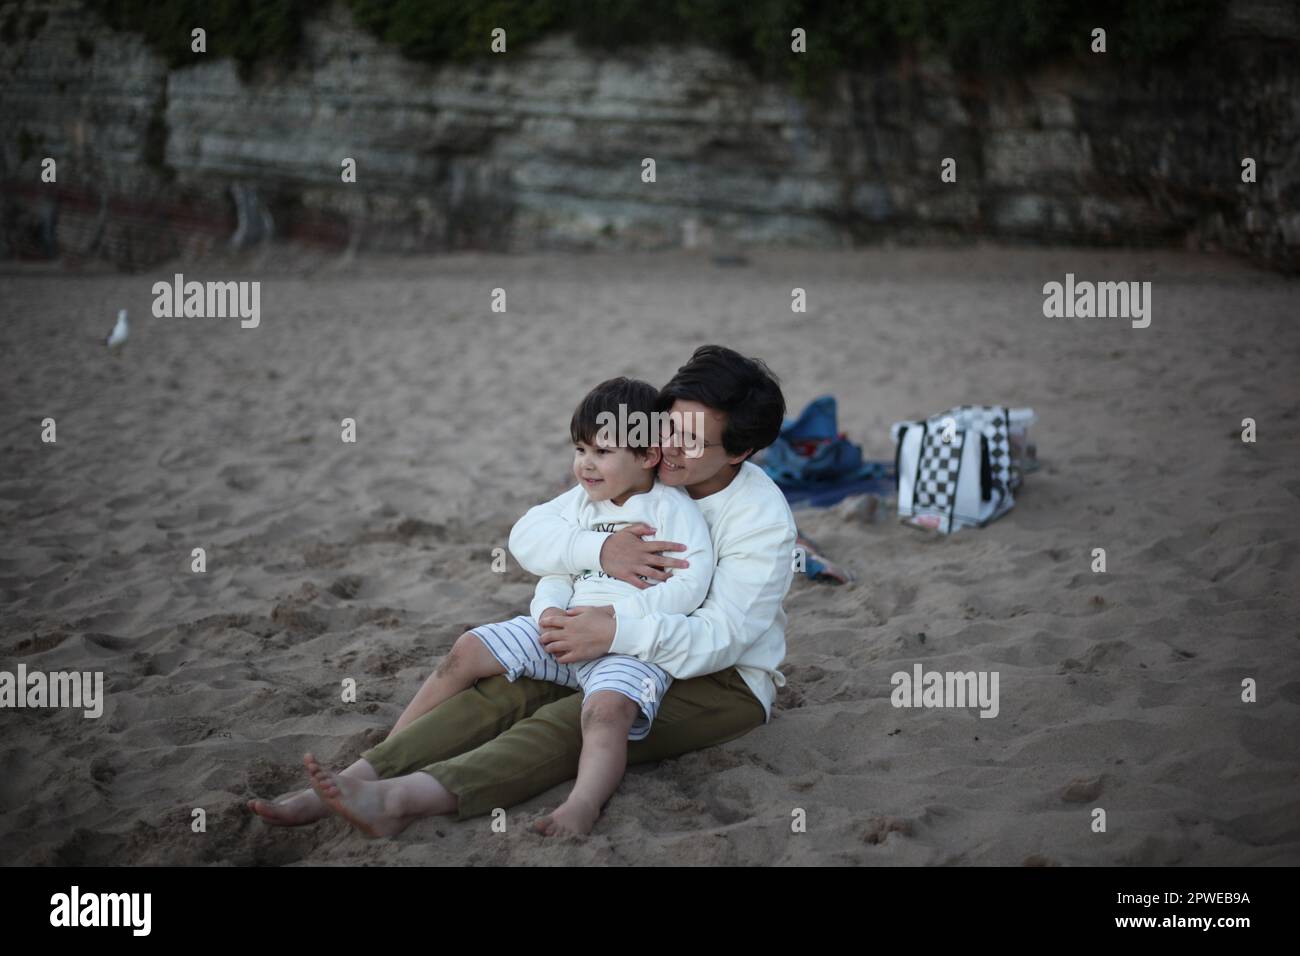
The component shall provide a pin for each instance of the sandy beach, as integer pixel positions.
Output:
(328, 560)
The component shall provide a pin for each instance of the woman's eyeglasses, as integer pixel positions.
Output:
(692, 446)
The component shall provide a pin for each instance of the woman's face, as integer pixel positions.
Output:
(694, 459)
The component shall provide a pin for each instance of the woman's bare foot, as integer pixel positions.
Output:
(365, 804)
(291, 810)
(574, 817)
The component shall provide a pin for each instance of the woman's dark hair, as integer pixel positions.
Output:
(744, 388)
(633, 394)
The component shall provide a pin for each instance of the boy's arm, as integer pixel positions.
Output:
(554, 590)
(748, 586)
(549, 540)
(678, 519)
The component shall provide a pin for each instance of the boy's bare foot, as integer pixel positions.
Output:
(574, 817)
(361, 803)
(291, 810)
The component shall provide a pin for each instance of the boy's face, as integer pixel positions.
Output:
(610, 473)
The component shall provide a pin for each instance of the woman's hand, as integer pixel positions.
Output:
(581, 634)
(625, 556)
(550, 616)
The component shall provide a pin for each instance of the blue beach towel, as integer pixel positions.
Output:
(815, 465)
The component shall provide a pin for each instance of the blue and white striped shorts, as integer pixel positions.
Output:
(517, 646)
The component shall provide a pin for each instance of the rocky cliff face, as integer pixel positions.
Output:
(543, 147)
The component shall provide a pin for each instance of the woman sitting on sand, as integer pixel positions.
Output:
(501, 742)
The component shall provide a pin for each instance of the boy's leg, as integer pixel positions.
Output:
(457, 726)
(607, 716)
(468, 660)
(622, 698)
(512, 648)
(645, 684)
(542, 751)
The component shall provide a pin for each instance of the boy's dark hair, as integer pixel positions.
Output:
(744, 388)
(633, 394)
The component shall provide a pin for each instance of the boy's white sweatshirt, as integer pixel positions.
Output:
(741, 621)
(664, 507)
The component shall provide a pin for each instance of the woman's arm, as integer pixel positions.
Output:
(549, 540)
(748, 587)
(749, 584)
(678, 517)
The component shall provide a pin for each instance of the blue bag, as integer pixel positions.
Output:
(814, 464)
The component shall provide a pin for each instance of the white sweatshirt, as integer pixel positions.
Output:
(741, 621)
(672, 511)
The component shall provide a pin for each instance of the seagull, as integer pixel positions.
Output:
(117, 338)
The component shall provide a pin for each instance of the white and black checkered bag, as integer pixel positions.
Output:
(961, 468)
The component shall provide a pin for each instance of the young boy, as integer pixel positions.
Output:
(616, 488)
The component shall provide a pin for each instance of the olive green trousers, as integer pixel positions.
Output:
(500, 743)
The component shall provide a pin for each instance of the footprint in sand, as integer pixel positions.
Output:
(347, 587)
(240, 477)
(879, 828)
(1082, 790)
(107, 641)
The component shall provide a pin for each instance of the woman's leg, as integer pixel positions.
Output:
(304, 806)
(379, 808)
(543, 750)
(697, 713)
(470, 719)
(467, 662)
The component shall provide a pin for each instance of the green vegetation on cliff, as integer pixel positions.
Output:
(977, 34)
(248, 31)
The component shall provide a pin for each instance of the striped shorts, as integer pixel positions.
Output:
(517, 646)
